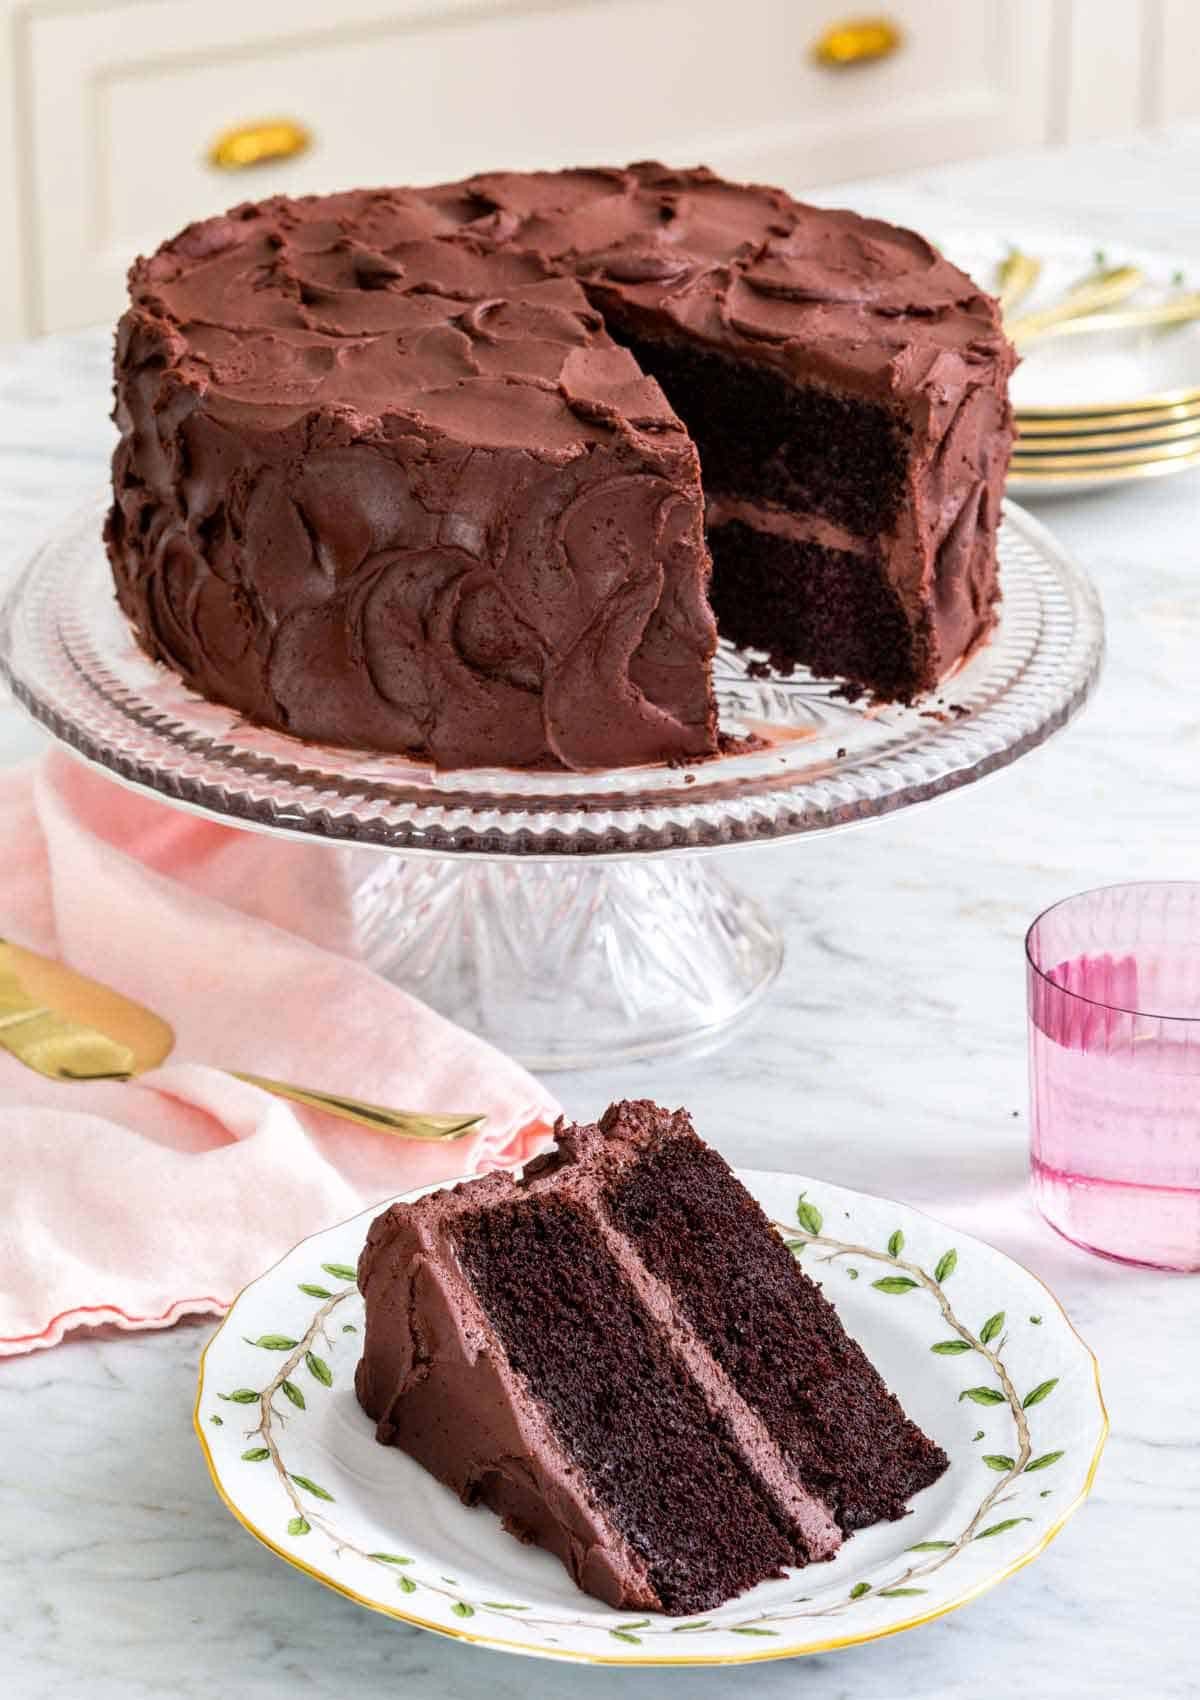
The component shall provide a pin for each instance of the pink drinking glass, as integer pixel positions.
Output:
(1114, 1068)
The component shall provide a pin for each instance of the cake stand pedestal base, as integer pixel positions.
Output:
(571, 965)
(572, 918)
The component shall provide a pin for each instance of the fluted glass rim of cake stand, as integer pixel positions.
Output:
(71, 661)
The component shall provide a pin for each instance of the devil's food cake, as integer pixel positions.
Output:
(420, 471)
(619, 1356)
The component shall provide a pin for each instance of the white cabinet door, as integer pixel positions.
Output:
(125, 99)
(1178, 86)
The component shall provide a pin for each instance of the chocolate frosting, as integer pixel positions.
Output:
(437, 1382)
(824, 296)
(386, 489)
(384, 479)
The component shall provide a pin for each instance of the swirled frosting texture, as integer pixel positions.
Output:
(384, 487)
(384, 480)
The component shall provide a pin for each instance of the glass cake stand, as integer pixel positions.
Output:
(573, 919)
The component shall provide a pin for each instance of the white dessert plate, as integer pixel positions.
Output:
(979, 1352)
(1105, 371)
(1082, 384)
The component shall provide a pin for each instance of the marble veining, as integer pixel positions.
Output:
(890, 1057)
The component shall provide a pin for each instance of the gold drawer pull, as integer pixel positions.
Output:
(857, 41)
(259, 144)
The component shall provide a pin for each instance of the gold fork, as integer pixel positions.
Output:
(1104, 288)
(67, 1027)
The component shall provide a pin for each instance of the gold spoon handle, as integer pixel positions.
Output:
(404, 1124)
(1105, 289)
(64, 1046)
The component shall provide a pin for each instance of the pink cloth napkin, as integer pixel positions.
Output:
(138, 1203)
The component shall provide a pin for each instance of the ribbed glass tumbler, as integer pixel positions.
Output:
(1114, 1062)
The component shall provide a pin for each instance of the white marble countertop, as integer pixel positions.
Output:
(890, 1057)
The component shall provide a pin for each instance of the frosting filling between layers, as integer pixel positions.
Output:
(797, 527)
(669, 1473)
(779, 1342)
(809, 1519)
(430, 1357)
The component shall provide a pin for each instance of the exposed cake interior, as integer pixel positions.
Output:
(619, 1356)
(773, 1333)
(803, 601)
(802, 484)
(766, 439)
(387, 481)
(623, 1409)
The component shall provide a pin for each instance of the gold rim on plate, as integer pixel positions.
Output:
(1085, 460)
(1031, 424)
(1038, 473)
(1144, 437)
(833, 1644)
(1168, 398)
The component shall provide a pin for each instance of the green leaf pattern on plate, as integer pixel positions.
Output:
(1044, 1462)
(809, 1217)
(309, 1486)
(904, 1277)
(318, 1369)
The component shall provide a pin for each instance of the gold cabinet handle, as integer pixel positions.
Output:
(857, 41)
(259, 144)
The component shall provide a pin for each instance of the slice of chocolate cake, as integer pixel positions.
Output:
(618, 1355)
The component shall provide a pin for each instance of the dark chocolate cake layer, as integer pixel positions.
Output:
(384, 479)
(768, 1326)
(629, 1416)
(618, 1355)
(829, 363)
(802, 601)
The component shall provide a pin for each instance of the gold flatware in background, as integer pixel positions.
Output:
(1015, 277)
(1179, 310)
(1106, 288)
(67, 1027)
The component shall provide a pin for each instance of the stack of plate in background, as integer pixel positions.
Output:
(1108, 388)
(1081, 448)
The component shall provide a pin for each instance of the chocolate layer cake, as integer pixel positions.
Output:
(386, 478)
(618, 1355)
